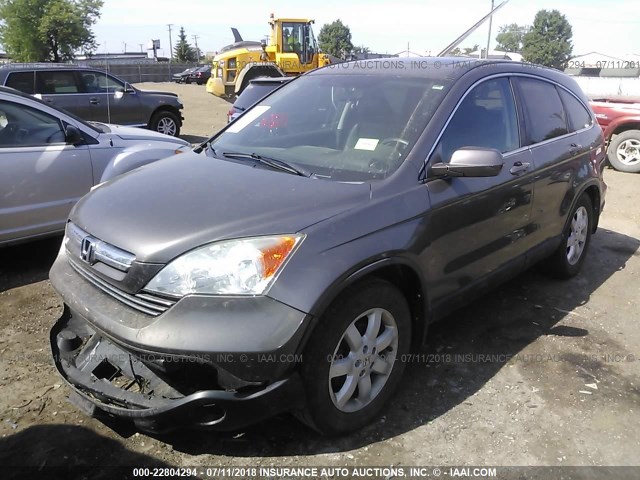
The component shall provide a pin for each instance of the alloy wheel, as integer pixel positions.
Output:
(363, 360)
(578, 235)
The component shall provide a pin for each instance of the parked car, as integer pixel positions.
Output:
(49, 159)
(293, 260)
(254, 91)
(182, 76)
(620, 121)
(95, 95)
(200, 75)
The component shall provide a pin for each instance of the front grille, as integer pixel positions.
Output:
(146, 303)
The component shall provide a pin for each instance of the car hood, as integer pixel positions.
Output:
(119, 132)
(169, 207)
(158, 92)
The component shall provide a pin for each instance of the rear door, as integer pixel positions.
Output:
(560, 155)
(42, 177)
(479, 226)
(60, 88)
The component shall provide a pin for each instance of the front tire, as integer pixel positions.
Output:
(353, 362)
(567, 260)
(165, 122)
(624, 151)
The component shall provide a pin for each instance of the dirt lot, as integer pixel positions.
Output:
(538, 373)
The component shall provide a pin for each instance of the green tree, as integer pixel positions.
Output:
(510, 37)
(549, 40)
(361, 49)
(468, 50)
(183, 52)
(457, 52)
(335, 39)
(48, 30)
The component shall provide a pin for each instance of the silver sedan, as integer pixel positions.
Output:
(50, 158)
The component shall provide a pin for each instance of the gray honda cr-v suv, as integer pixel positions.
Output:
(291, 262)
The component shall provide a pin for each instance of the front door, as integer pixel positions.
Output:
(479, 225)
(42, 177)
(109, 101)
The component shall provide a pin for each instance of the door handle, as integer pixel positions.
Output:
(94, 101)
(519, 168)
(575, 148)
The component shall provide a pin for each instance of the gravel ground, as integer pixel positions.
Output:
(539, 372)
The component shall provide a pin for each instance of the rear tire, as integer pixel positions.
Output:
(165, 122)
(353, 362)
(567, 260)
(624, 151)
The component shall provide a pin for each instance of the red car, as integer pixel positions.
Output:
(620, 121)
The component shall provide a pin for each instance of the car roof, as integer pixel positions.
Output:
(39, 65)
(8, 68)
(436, 68)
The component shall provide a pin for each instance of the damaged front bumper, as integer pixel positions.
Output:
(157, 391)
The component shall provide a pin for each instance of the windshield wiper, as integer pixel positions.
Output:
(270, 162)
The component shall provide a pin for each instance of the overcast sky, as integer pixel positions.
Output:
(610, 27)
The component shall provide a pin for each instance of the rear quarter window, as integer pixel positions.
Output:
(578, 116)
(23, 81)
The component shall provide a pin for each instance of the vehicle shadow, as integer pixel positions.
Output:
(27, 263)
(483, 337)
(67, 452)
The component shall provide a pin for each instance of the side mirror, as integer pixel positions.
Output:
(73, 136)
(471, 162)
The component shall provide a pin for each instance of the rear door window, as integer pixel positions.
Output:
(545, 116)
(23, 81)
(578, 116)
(58, 82)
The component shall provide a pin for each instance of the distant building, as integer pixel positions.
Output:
(495, 55)
(596, 64)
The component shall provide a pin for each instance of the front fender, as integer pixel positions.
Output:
(617, 122)
(132, 158)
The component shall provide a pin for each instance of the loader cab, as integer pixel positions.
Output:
(295, 44)
(297, 37)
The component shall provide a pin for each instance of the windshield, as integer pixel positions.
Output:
(354, 127)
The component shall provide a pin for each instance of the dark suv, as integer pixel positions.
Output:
(292, 261)
(256, 89)
(95, 95)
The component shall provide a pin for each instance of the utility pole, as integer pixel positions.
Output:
(195, 39)
(489, 36)
(125, 47)
(170, 43)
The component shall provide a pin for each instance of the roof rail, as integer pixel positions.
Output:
(38, 65)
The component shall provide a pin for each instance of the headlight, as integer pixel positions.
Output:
(235, 267)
